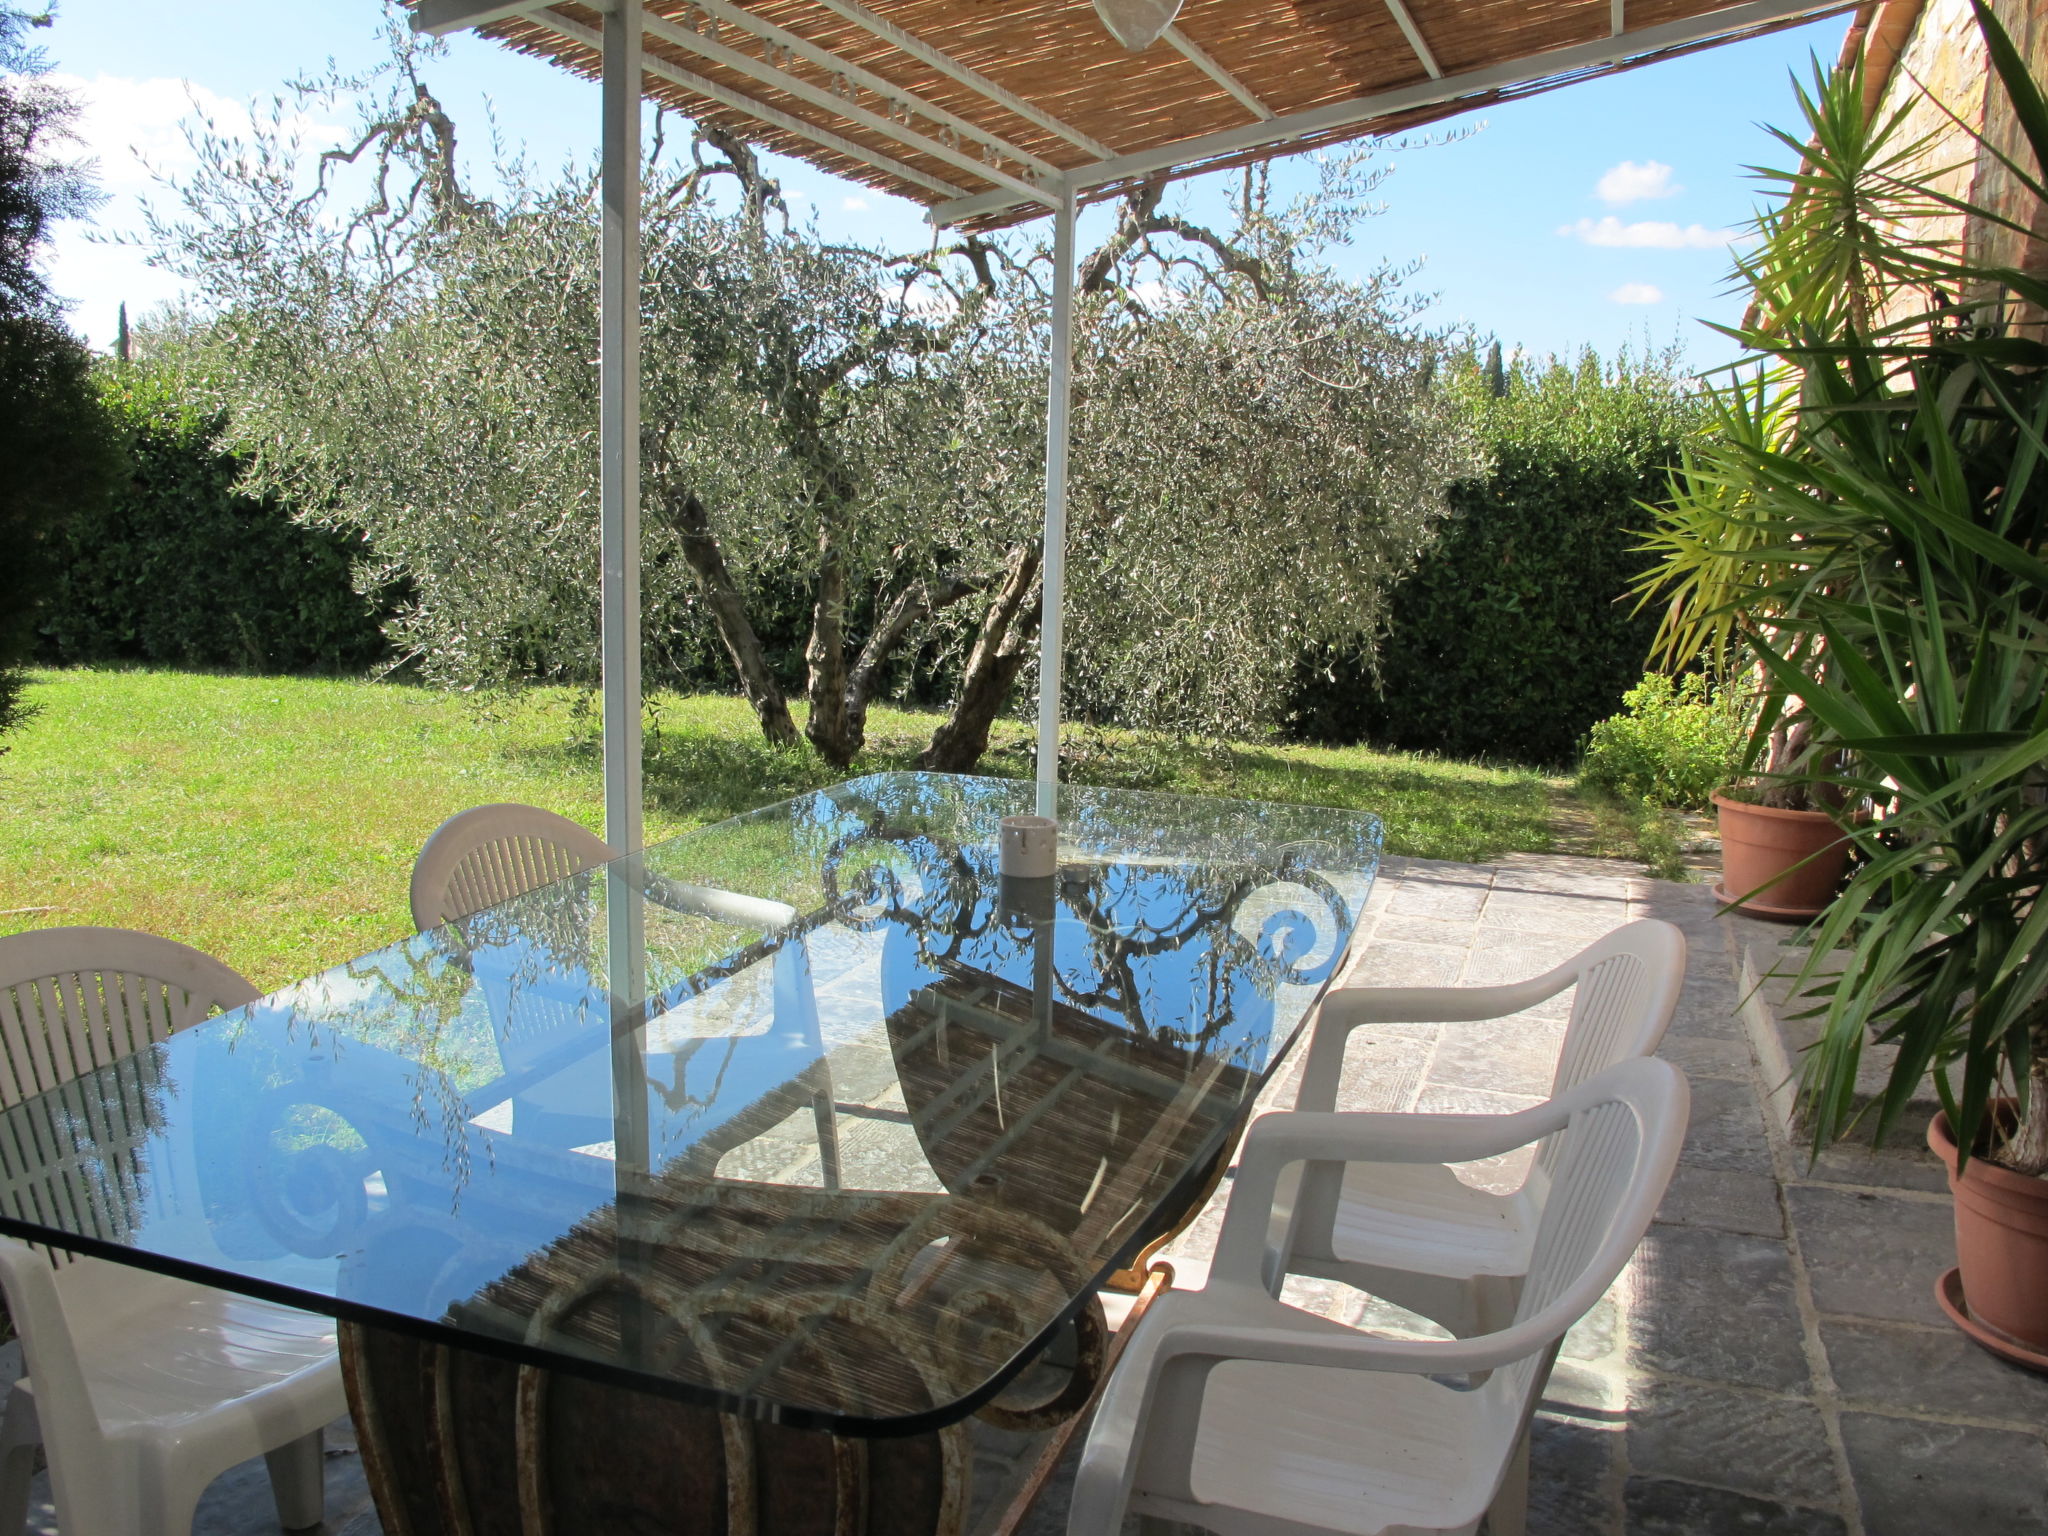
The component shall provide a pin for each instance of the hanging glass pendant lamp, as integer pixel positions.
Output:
(1137, 23)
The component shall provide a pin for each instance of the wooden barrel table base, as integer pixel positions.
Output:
(458, 1443)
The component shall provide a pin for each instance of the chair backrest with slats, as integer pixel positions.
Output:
(492, 853)
(1614, 1159)
(1628, 989)
(74, 1001)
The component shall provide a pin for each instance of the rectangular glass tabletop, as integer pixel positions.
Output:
(811, 1115)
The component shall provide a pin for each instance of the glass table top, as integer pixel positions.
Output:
(811, 1114)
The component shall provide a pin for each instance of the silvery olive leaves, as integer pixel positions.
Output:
(843, 448)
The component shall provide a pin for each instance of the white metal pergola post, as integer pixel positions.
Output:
(618, 363)
(1053, 566)
(619, 425)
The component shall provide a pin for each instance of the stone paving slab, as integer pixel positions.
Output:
(1917, 1476)
(1771, 1363)
(1873, 1253)
(1765, 1446)
(1716, 1306)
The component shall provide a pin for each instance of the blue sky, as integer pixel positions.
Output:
(1598, 214)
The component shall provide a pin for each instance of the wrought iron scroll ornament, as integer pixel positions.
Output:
(947, 898)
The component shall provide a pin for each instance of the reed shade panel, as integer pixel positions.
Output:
(1056, 57)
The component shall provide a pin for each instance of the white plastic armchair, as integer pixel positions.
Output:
(494, 853)
(1235, 1412)
(1420, 1236)
(141, 1388)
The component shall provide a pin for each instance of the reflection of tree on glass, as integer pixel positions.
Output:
(322, 1097)
(1154, 943)
(1055, 1062)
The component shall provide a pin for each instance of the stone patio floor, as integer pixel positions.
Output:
(1772, 1362)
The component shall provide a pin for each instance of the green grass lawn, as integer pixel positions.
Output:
(273, 821)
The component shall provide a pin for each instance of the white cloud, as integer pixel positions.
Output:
(134, 130)
(854, 204)
(921, 298)
(98, 278)
(1629, 183)
(135, 126)
(1651, 234)
(1637, 293)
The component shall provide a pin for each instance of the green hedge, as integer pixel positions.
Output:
(58, 459)
(1510, 638)
(181, 569)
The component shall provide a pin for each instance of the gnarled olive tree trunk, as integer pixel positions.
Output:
(1002, 649)
(839, 691)
(685, 515)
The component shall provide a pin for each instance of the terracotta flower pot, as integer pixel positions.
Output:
(2001, 1252)
(1793, 860)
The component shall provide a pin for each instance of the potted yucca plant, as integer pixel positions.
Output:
(1719, 543)
(1887, 572)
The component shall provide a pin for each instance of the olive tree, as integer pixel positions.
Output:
(415, 362)
(1258, 449)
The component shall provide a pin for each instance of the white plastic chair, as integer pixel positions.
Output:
(1420, 1236)
(1235, 1412)
(142, 1389)
(494, 853)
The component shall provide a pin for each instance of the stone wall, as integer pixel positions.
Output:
(1940, 71)
(1927, 57)
(1994, 186)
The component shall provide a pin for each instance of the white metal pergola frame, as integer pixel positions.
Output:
(1022, 180)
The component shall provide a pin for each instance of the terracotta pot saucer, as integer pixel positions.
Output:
(1948, 1291)
(1764, 908)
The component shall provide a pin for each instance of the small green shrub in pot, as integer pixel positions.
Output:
(1869, 528)
(1673, 743)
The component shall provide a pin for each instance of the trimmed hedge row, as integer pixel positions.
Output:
(1508, 640)
(1512, 636)
(57, 454)
(178, 568)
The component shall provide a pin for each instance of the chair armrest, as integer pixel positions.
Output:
(1357, 1136)
(1151, 1410)
(1266, 1203)
(1236, 1324)
(724, 906)
(1346, 1008)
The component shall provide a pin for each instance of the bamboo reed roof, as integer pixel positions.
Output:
(981, 109)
